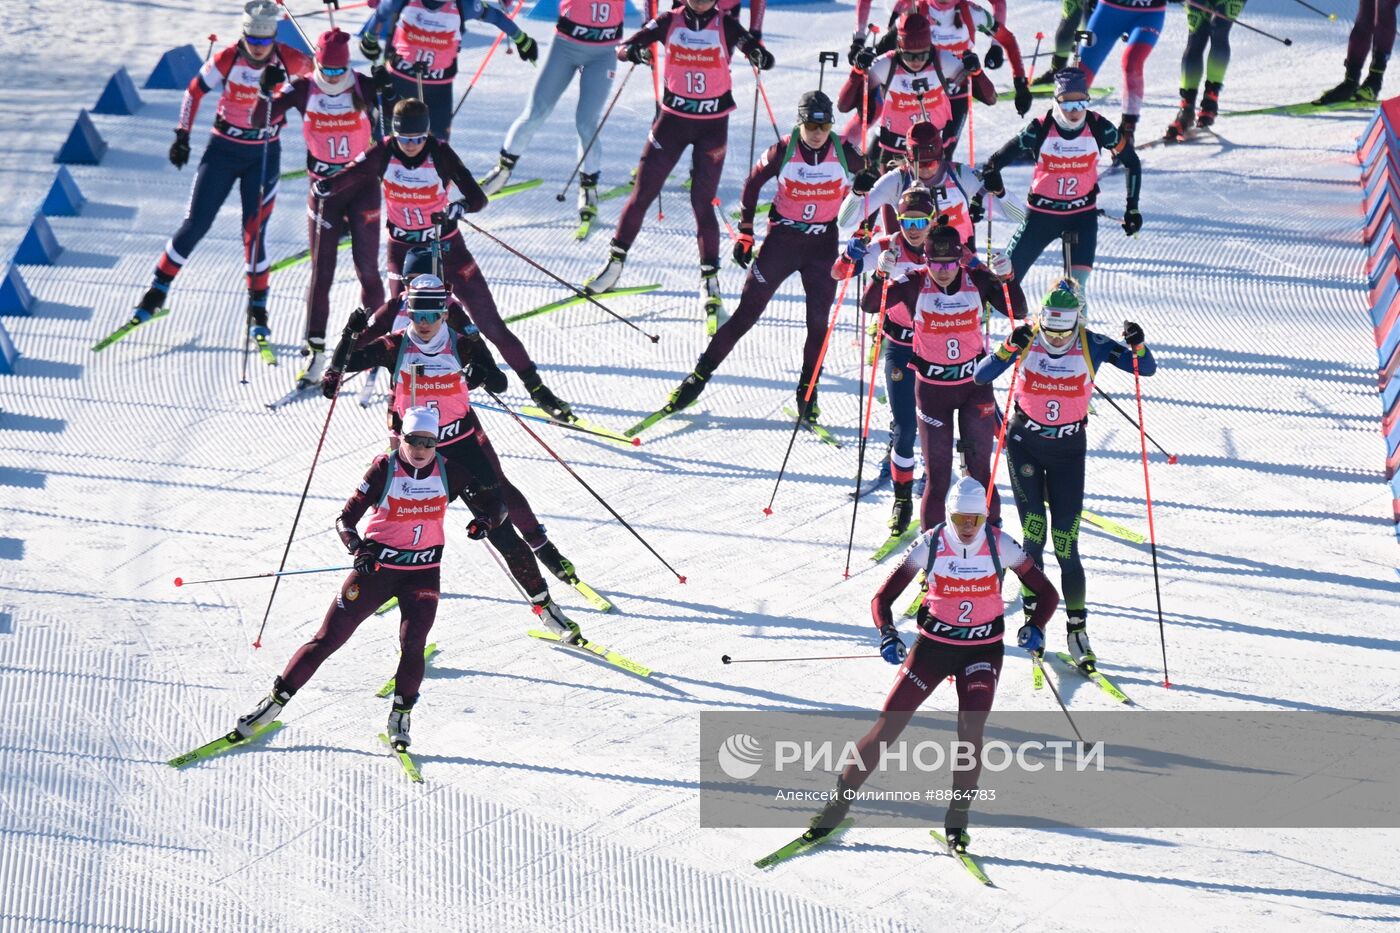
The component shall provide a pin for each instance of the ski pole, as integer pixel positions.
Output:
(823, 59)
(769, 107)
(582, 482)
(304, 37)
(1034, 57)
(181, 581)
(867, 403)
(1237, 22)
(511, 577)
(1035, 659)
(282, 564)
(636, 441)
(1304, 3)
(254, 247)
(1151, 528)
(210, 51)
(482, 67)
(589, 148)
(331, 7)
(1171, 458)
(726, 659)
(656, 93)
(807, 399)
(753, 127)
(587, 296)
(733, 237)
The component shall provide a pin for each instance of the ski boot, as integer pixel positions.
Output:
(709, 294)
(958, 840)
(1210, 105)
(399, 715)
(607, 279)
(813, 410)
(258, 330)
(549, 557)
(903, 510)
(150, 303)
(266, 711)
(831, 815)
(1185, 116)
(1078, 637)
(1370, 89)
(543, 397)
(691, 387)
(314, 354)
(1345, 91)
(587, 196)
(499, 177)
(556, 622)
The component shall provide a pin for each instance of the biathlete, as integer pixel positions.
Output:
(698, 42)
(1046, 438)
(1204, 29)
(338, 108)
(241, 150)
(961, 631)
(424, 46)
(406, 492)
(1141, 21)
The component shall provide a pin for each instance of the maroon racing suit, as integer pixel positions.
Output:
(975, 668)
(361, 593)
(355, 213)
(792, 246)
(459, 269)
(706, 131)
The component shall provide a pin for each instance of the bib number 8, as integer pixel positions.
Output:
(954, 348)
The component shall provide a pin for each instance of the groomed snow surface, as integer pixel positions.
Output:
(561, 794)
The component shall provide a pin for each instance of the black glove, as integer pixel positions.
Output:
(369, 48)
(1133, 335)
(863, 182)
(994, 58)
(760, 58)
(321, 188)
(356, 322)
(1021, 337)
(976, 210)
(991, 180)
(891, 645)
(1132, 221)
(528, 48)
(481, 374)
(743, 245)
(636, 54)
(864, 59)
(180, 149)
(383, 81)
(970, 62)
(330, 382)
(271, 78)
(857, 43)
(477, 529)
(1023, 100)
(364, 559)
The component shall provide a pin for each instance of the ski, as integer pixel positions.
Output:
(1303, 108)
(298, 258)
(598, 601)
(817, 429)
(1092, 672)
(616, 192)
(871, 486)
(968, 861)
(295, 173)
(515, 188)
(366, 396)
(265, 350)
(711, 318)
(410, 767)
(1095, 93)
(585, 227)
(388, 606)
(222, 744)
(572, 300)
(1190, 135)
(1113, 528)
(659, 415)
(802, 844)
(895, 542)
(125, 329)
(596, 429)
(913, 608)
(602, 651)
(428, 654)
(292, 396)
(763, 208)
(1037, 676)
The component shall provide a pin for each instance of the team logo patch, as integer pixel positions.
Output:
(352, 592)
(1027, 470)
(897, 375)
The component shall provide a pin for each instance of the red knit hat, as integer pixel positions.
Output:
(333, 49)
(914, 33)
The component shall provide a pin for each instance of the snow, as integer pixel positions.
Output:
(561, 792)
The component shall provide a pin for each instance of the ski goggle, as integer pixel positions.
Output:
(812, 126)
(914, 54)
(333, 72)
(411, 140)
(914, 223)
(1073, 106)
(1058, 337)
(958, 518)
(259, 41)
(421, 440)
(425, 317)
(942, 265)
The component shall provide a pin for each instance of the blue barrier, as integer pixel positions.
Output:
(287, 35)
(39, 246)
(64, 199)
(175, 69)
(8, 354)
(15, 299)
(84, 145)
(119, 97)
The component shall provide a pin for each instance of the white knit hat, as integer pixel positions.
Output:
(420, 420)
(967, 498)
(260, 18)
